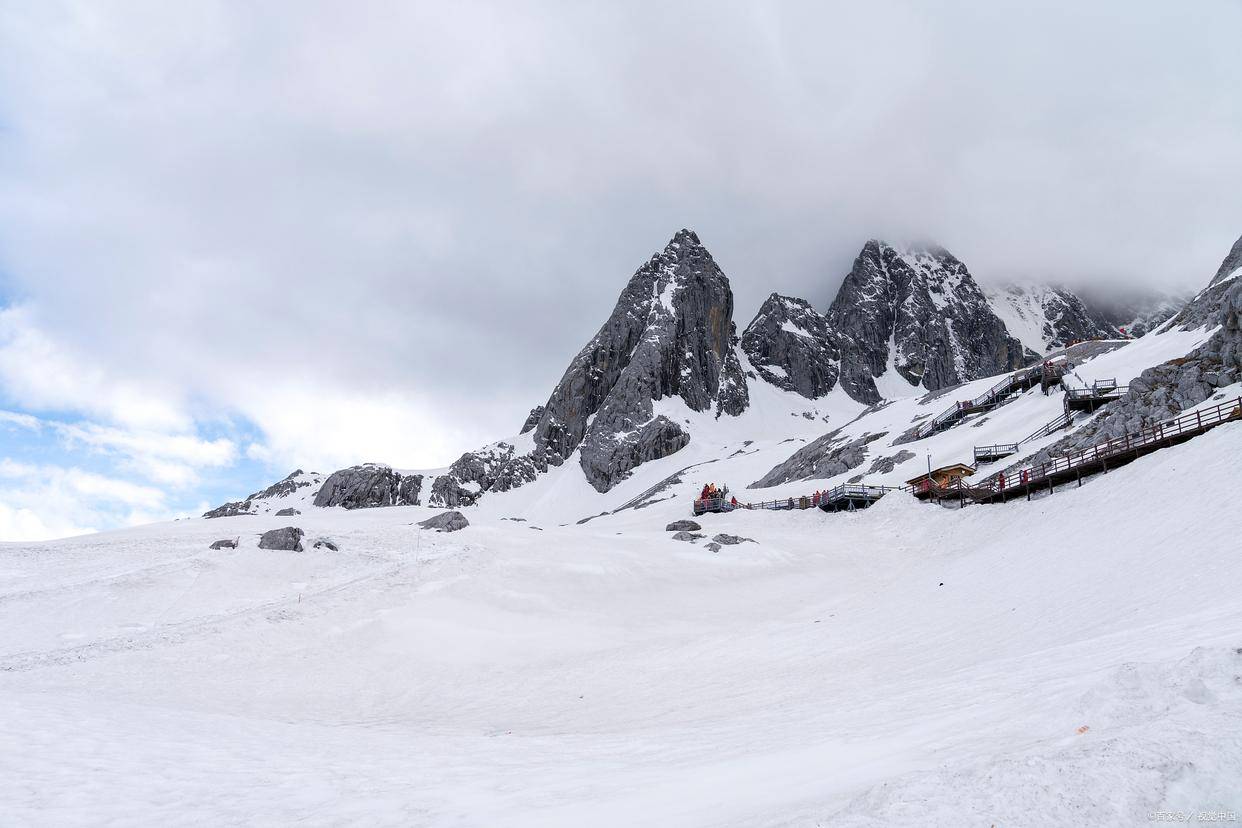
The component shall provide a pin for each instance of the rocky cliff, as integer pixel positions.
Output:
(792, 346)
(671, 334)
(918, 315)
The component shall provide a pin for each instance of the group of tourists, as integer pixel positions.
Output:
(711, 492)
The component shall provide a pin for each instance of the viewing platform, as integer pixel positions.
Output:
(1099, 393)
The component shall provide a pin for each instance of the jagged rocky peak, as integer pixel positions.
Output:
(790, 345)
(915, 314)
(671, 334)
(1047, 317)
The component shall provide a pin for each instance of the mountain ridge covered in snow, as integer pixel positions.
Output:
(905, 321)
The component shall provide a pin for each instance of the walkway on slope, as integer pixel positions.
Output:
(1101, 457)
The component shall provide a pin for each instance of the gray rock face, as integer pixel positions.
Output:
(450, 521)
(731, 540)
(1231, 266)
(532, 419)
(288, 539)
(289, 512)
(822, 458)
(1206, 308)
(495, 468)
(324, 543)
(237, 507)
(683, 526)
(1059, 316)
(687, 536)
(793, 347)
(227, 543)
(297, 480)
(1166, 390)
(713, 546)
(671, 334)
(884, 465)
(926, 302)
(369, 485)
(608, 457)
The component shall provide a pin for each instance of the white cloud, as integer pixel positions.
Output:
(382, 235)
(40, 501)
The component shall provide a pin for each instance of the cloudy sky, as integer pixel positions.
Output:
(236, 238)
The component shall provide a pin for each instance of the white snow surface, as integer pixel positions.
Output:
(1072, 659)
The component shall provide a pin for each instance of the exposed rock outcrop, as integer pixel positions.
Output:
(450, 521)
(1045, 318)
(918, 313)
(1205, 309)
(670, 334)
(369, 485)
(227, 543)
(793, 347)
(683, 526)
(251, 505)
(532, 419)
(495, 468)
(822, 458)
(233, 509)
(287, 512)
(288, 539)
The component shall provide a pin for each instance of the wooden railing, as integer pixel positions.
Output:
(1193, 422)
(845, 491)
(1053, 369)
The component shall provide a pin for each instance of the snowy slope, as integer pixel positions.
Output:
(903, 665)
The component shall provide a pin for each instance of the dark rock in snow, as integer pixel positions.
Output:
(368, 486)
(289, 512)
(715, 547)
(446, 522)
(297, 480)
(731, 540)
(687, 536)
(683, 526)
(324, 543)
(288, 539)
(793, 347)
(884, 465)
(227, 543)
(237, 507)
(822, 458)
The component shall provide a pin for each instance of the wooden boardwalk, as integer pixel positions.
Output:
(1100, 458)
